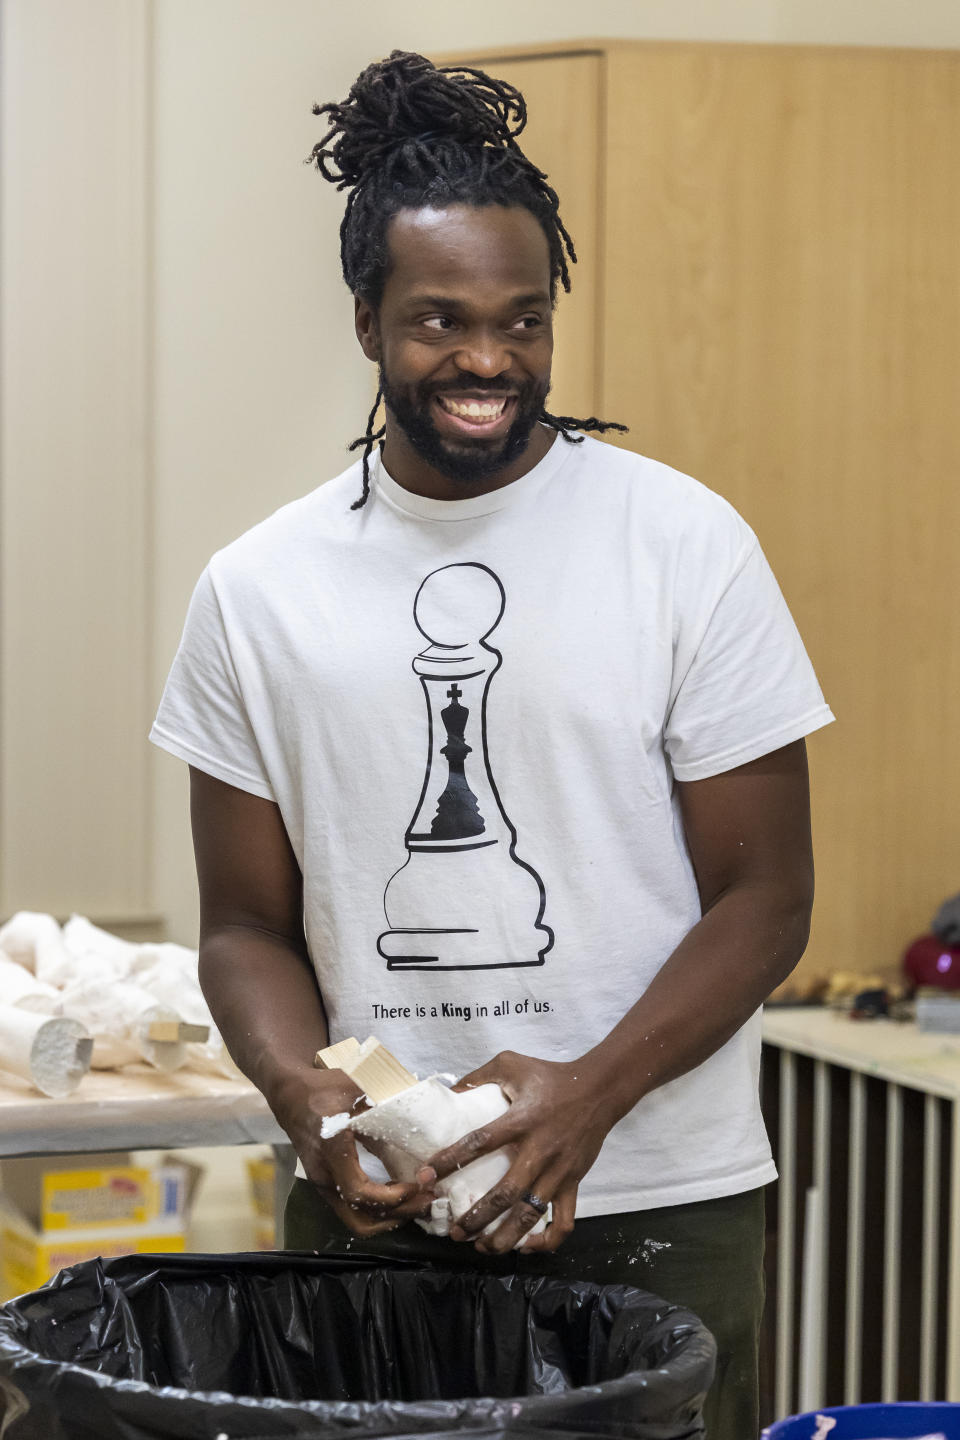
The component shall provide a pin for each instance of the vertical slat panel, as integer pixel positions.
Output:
(953, 1291)
(902, 1314)
(817, 1307)
(855, 1202)
(891, 1243)
(812, 1301)
(931, 1248)
(786, 1231)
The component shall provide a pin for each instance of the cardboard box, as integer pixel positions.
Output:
(262, 1177)
(264, 1235)
(58, 1210)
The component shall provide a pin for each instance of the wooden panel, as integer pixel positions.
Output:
(783, 322)
(73, 716)
(562, 137)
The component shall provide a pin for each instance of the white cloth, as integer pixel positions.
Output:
(642, 638)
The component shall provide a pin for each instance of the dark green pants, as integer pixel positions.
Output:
(706, 1256)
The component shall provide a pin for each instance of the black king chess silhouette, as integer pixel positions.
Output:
(458, 813)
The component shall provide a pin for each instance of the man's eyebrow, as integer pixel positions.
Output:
(418, 301)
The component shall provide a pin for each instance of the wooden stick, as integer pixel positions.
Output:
(176, 1032)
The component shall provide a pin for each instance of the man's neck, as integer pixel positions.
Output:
(408, 468)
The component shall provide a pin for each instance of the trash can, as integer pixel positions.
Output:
(229, 1346)
(904, 1420)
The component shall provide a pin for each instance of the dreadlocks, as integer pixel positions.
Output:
(409, 135)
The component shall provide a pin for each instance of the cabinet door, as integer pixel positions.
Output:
(783, 321)
(562, 137)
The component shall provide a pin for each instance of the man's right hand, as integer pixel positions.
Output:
(261, 987)
(300, 1103)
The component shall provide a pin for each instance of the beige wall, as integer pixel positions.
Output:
(75, 547)
(255, 381)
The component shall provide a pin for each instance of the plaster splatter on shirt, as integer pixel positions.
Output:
(651, 1249)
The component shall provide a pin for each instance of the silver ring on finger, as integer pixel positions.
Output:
(529, 1198)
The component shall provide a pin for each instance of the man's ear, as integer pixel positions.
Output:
(365, 324)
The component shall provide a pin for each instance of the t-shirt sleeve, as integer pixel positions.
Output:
(743, 684)
(202, 718)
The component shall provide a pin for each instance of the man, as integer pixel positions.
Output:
(573, 669)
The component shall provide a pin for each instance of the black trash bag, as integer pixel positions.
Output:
(218, 1347)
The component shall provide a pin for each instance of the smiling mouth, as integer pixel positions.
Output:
(472, 415)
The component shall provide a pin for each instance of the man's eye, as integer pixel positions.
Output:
(438, 322)
(529, 322)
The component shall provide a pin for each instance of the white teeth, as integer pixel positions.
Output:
(473, 409)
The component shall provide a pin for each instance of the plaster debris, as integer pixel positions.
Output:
(412, 1126)
(20, 987)
(652, 1248)
(138, 1001)
(332, 1125)
(122, 1018)
(413, 1119)
(35, 941)
(169, 973)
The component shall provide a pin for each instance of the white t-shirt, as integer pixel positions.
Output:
(471, 714)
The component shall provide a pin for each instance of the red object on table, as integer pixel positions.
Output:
(930, 962)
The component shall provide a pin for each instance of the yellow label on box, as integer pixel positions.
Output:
(72, 1199)
(264, 1235)
(262, 1174)
(27, 1263)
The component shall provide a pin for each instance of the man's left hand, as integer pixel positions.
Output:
(553, 1129)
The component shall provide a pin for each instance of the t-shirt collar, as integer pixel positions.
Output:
(428, 509)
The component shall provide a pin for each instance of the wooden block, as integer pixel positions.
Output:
(381, 1076)
(339, 1056)
(378, 1073)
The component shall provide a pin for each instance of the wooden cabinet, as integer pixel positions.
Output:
(769, 295)
(564, 95)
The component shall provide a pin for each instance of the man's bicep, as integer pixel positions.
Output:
(246, 868)
(752, 824)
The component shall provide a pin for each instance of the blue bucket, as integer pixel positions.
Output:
(903, 1421)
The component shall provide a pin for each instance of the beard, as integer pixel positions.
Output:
(469, 460)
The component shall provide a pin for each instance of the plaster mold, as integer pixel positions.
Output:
(413, 1125)
(51, 1052)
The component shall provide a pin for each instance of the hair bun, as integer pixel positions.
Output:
(406, 99)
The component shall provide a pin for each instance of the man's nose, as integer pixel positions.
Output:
(482, 353)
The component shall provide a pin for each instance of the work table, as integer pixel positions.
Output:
(137, 1108)
(892, 1050)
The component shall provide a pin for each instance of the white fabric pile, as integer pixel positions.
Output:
(90, 985)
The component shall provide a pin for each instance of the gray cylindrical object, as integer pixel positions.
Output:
(52, 1052)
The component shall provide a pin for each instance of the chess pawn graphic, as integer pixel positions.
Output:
(463, 898)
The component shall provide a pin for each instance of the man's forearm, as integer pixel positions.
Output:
(722, 971)
(263, 995)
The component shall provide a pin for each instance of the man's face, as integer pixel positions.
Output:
(463, 335)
